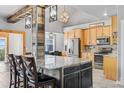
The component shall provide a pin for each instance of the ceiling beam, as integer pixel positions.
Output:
(27, 10)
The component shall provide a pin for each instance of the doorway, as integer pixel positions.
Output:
(3, 49)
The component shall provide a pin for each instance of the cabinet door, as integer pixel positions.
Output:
(71, 34)
(114, 23)
(93, 36)
(114, 69)
(99, 31)
(78, 33)
(71, 81)
(65, 35)
(86, 78)
(106, 31)
(86, 37)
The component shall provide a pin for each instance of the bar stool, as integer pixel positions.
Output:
(35, 79)
(20, 71)
(13, 71)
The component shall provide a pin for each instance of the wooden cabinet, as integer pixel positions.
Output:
(92, 36)
(114, 23)
(114, 30)
(86, 37)
(71, 34)
(106, 31)
(75, 33)
(78, 33)
(110, 67)
(65, 35)
(99, 31)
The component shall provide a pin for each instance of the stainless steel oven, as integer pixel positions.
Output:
(98, 57)
(98, 61)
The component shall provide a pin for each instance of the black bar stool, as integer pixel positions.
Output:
(35, 79)
(13, 71)
(20, 71)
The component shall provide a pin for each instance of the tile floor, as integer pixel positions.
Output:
(99, 80)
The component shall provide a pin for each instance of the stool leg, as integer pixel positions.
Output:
(15, 80)
(10, 85)
(18, 82)
(24, 81)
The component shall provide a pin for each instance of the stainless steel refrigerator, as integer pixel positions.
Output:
(72, 47)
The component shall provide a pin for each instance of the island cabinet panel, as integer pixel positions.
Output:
(86, 76)
(71, 81)
(78, 76)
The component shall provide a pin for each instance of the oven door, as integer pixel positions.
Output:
(98, 61)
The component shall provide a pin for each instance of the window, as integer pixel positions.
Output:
(49, 45)
(2, 49)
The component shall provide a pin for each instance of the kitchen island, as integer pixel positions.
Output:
(70, 72)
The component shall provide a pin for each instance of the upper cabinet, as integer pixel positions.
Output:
(78, 33)
(99, 30)
(86, 37)
(66, 35)
(106, 31)
(114, 23)
(75, 33)
(92, 36)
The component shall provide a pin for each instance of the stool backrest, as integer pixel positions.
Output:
(11, 62)
(30, 67)
(19, 64)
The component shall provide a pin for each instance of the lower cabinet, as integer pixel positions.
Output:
(78, 78)
(86, 78)
(71, 81)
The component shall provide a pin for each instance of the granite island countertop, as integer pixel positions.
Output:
(56, 62)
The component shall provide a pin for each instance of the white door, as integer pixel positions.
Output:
(16, 44)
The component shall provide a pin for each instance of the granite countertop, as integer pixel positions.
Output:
(112, 55)
(56, 62)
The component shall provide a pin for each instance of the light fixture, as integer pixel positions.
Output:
(50, 35)
(64, 16)
(105, 13)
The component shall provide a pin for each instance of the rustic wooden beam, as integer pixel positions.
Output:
(27, 10)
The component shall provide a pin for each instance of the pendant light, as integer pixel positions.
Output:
(64, 16)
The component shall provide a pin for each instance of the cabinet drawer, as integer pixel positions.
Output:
(71, 69)
(86, 65)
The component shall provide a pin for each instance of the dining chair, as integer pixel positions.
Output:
(20, 71)
(13, 71)
(35, 79)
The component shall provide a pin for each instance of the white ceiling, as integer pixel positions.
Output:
(89, 13)
(7, 10)
(80, 14)
(86, 13)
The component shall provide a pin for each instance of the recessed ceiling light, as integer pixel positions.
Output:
(105, 14)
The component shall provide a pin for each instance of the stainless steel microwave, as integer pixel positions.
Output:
(103, 41)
